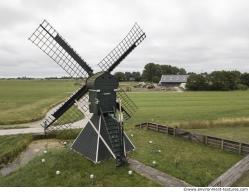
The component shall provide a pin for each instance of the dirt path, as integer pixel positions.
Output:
(35, 127)
(35, 148)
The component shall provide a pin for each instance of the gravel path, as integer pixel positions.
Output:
(156, 175)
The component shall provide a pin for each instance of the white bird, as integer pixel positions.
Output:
(92, 176)
(130, 172)
(159, 151)
(64, 142)
(43, 160)
(58, 172)
(131, 135)
(150, 142)
(45, 151)
(153, 162)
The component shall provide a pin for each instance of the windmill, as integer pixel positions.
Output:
(99, 100)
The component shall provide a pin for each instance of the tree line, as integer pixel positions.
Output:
(218, 80)
(151, 73)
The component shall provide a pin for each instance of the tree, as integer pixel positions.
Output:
(182, 71)
(233, 78)
(136, 76)
(152, 72)
(224, 80)
(127, 76)
(120, 76)
(197, 82)
(245, 79)
(218, 80)
(172, 70)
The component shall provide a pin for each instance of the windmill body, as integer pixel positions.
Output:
(103, 137)
(99, 99)
(102, 92)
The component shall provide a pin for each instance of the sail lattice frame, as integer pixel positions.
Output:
(131, 40)
(46, 38)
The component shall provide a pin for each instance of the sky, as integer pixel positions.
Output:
(198, 35)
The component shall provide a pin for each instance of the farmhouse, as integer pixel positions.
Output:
(173, 80)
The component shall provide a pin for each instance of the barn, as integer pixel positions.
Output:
(173, 80)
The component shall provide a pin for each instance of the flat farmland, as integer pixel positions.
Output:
(223, 114)
(192, 109)
(216, 113)
(28, 100)
(23, 101)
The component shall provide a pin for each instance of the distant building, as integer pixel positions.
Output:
(173, 80)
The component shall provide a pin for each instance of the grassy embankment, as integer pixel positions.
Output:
(11, 146)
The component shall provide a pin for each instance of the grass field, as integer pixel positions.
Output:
(192, 162)
(11, 146)
(223, 114)
(28, 100)
(75, 171)
(180, 158)
(192, 109)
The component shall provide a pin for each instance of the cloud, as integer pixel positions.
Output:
(197, 35)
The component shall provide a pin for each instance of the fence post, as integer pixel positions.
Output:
(190, 136)
(222, 144)
(174, 132)
(206, 139)
(140, 125)
(240, 148)
(147, 125)
(157, 127)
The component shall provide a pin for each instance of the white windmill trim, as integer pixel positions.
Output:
(97, 150)
(103, 140)
(124, 147)
(130, 140)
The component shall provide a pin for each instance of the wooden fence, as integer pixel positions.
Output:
(224, 144)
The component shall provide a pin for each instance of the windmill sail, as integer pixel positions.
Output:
(69, 111)
(50, 42)
(132, 40)
(127, 105)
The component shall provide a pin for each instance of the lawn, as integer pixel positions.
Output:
(194, 163)
(75, 171)
(192, 109)
(180, 158)
(28, 100)
(12, 145)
